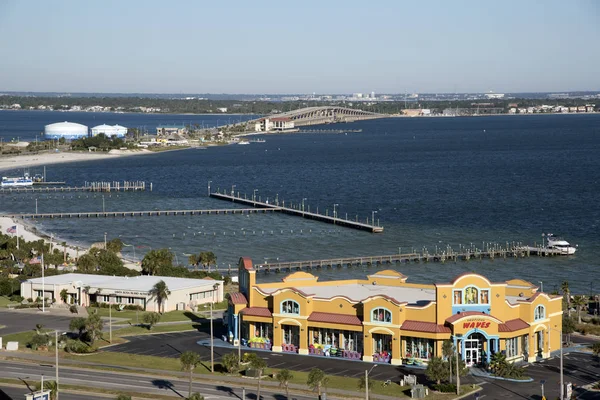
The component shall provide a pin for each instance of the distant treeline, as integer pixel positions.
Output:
(195, 106)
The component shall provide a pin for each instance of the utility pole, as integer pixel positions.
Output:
(457, 373)
(56, 362)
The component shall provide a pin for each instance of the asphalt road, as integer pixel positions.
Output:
(15, 321)
(135, 383)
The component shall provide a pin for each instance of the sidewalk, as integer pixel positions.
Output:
(231, 380)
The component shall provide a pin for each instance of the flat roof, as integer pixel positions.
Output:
(359, 292)
(138, 283)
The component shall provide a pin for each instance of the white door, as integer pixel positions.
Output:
(471, 352)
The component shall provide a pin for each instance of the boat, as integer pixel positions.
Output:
(557, 243)
(243, 142)
(257, 141)
(8, 182)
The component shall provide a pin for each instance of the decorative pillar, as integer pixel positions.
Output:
(303, 333)
(487, 351)
(277, 338)
(368, 348)
(396, 350)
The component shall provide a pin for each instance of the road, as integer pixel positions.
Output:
(17, 393)
(134, 383)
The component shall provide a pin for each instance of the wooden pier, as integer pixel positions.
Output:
(335, 220)
(150, 213)
(87, 187)
(515, 252)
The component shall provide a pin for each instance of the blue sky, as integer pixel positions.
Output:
(325, 46)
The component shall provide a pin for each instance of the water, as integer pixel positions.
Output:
(432, 182)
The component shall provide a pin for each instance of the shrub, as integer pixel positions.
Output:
(38, 340)
(29, 300)
(78, 347)
(134, 307)
(151, 319)
(16, 298)
(73, 309)
(445, 387)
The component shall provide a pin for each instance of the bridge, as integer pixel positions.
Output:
(326, 115)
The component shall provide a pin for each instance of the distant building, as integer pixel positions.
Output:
(171, 129)
(110, 130)
(273, 124)
(494, 95)
(83, 289)
(222, 109)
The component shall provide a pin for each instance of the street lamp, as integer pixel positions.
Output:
(212, 353)
(232, 192)
(254, 194)
(542, 383)
(303, 203)
(373, 217)
(209, 182)
(56, 360)
(103, 207)
(105, 241)
(367, 381)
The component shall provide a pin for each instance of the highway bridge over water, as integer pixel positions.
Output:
(326, 115)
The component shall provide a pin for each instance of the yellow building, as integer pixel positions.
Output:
(385, 319)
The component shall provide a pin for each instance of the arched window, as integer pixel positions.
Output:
(471, 295)
(381, 315)
(290, 307)
(539, 313)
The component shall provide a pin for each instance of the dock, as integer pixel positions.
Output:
(125, 186)
(299, 212)
(330, 131)
(149, 213)
(514, 252)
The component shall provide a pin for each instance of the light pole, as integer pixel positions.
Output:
(36, 208)
(303, 203)
(373, 217)
(542, 383)
(254, 194)
(334, 210)
(209, 182)
(109, 320)
(232, 187)
(541, 286)
(103, 207)
(212, 353)
(367, 372)
(105, 241)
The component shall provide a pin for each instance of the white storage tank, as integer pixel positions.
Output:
(67, 130)
(110, 130)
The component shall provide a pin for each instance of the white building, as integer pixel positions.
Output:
(83, 289)
(273, 124)
(110, 130)
(66, 130)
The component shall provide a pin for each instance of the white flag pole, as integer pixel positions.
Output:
(17, 236)
(43, 287)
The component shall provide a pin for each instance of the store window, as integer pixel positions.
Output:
(539, 313)
(484, 296)
(471, 295)
(512, 347)
(458, 297)
(290, 307)
(419, 348)
(381, 315)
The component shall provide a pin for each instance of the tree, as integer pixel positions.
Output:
(566, 295)
(49, 385)
(448, 353)
(114, 245)
(316, 380)
(151, 319)
(193, 260)
(207, 258)
(568, 327)
(231, 362)
(259, 365)
(284, 377)
(189, 360)
(77, 324)
(87, 263)
(156, 260)
(580, 302)
(93, 326)
(64, 295)
(161, 293)
(436, 370)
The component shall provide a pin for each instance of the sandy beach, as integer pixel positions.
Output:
(25, 233)
(34, 160)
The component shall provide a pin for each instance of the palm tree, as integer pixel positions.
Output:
(155, 260)
(579, 302)
(161, 293)
(257, 364)
(49, 385)
(284, 377)
(189, 360)
(193, 260)
(207, 258)
(448, 353)
(567, 294)
(316, 380)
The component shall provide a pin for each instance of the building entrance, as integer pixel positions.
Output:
(473, 349)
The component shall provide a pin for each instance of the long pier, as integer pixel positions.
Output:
(335, 220)
(87, 187)
(150, 213)
(515, 252)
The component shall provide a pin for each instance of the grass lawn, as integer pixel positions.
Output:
(139, 330)
(22, 337)
(133, 316)
(4, 301)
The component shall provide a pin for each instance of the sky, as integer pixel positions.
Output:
(279, 47)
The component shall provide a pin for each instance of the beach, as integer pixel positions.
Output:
(34, 160)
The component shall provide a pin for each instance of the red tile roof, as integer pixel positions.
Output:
(247, 263)
(238, 298)
(334, 318)
(464, 314)
(419, 326)
(513, 325)
(257, 312)
(281, 119)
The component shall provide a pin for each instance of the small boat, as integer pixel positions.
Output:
(243, 142)
(8, 182)
(557, 243)
(257, 141)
